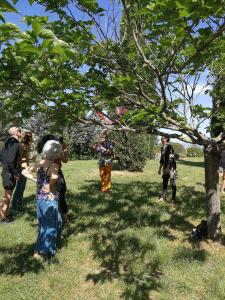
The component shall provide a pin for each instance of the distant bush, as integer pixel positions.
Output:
(194, 152)
(179, 150)
(132, 149)
(156, 152)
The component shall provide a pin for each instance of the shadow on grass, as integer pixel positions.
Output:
(191, 163)
(29, 214)
(124, 229)
(19, 260)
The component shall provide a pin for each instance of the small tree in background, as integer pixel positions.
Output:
(79, 139)
(132, 149)
(179, 150)
(194, 152)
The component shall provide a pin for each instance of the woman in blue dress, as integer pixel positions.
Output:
(48, 187)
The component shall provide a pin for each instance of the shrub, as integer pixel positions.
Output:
(194, 152)
(132, 149)
(156, 151)
(179, 150)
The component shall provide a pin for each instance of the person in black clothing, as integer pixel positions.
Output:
(168, 168)
(11, 169)
(64, 158)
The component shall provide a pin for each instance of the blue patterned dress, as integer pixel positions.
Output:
(49, 218)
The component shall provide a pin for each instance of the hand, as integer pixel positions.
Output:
(166, 171)
(159, 172)
(94, 146)
(17, 177)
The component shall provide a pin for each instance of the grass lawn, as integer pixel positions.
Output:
(127, 245)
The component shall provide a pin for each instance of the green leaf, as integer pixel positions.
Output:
(35, 81)
(7, 6)
(45, 82)
(36, 26)
(28, 48)
(47, 34)
(10, 27)
(31, 2)
(59, 50)
(2, 18)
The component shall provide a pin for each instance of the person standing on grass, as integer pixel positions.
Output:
(11, 170)
(64, 158)
(25, 144)
(105, 150)
(168, 168)
(48, 189)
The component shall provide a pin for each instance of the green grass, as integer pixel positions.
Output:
(127, 245)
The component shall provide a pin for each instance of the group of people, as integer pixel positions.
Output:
(51, 203)
(51, 206)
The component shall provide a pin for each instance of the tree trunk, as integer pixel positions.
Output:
(212, 188)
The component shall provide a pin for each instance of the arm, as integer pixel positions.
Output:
(27, 172)
(161, 161)
(53, 172)
(160, 169)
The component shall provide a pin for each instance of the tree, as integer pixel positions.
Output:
(152, 63)
(155, 67)
(80, 138)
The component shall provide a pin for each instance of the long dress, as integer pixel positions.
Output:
(49, 218)
(105, 166)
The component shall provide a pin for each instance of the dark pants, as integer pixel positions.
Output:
(166, 178)
(62, 195)
(17, 200)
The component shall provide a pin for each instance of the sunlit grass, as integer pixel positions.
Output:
(127, 245)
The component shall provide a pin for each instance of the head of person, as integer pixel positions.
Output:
(52, 150)
(103, 138)
(43, 140)
(26, 138)
(165, 139)
(15, 132)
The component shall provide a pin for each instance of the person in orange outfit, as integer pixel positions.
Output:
(105, 150)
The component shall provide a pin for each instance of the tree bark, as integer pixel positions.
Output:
(212, 188)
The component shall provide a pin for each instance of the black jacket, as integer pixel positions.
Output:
(11, 156)
(167, 158)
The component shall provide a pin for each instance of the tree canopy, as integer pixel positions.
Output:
(150, 58)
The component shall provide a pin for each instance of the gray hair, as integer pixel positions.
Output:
(52, 150)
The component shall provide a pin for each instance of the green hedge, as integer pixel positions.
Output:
(132, 149)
